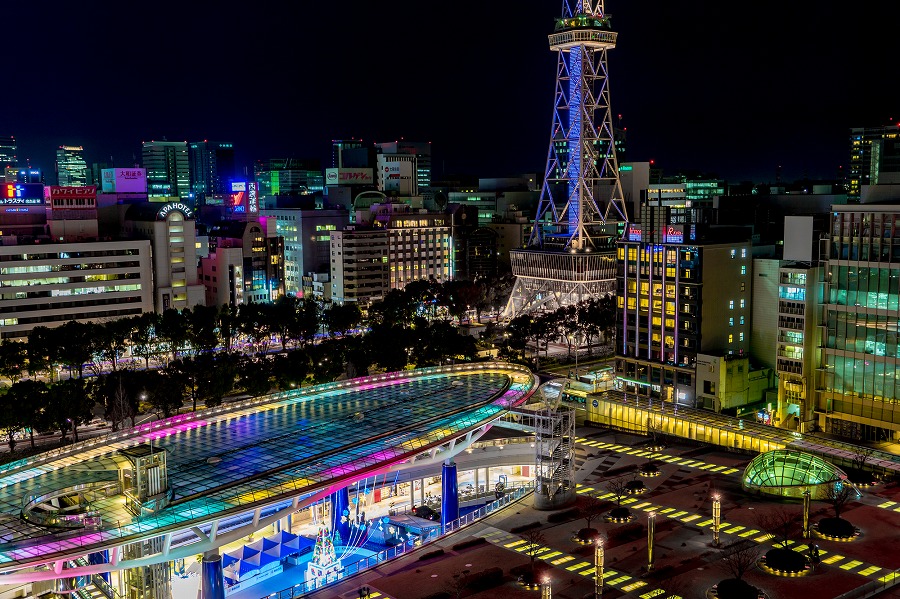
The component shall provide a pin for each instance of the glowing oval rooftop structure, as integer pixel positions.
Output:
(786, 473)
(238, 467)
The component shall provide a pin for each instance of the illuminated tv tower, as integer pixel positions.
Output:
(570, 255)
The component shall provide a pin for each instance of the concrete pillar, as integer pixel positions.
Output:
(100, 557)
(212, 577)
(449, 494)
(340, 503)
(476, 482)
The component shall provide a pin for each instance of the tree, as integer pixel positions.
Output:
(112, 390)
(202, 327)
(781, 522)
(108, 341)
(341, 318)
(534, 542)
(290, 369)
(24, 406)
(144, 342)
(739, 558)
(41, 350)
(69, 406)
(255, 375)
(590, 507)
(618, 487)
(74, 341)
(227, 325)
(309, 319)
(839, 494)
(164, 390)
(13, 359)
(283, 314)
(172, 329)
(861, 456)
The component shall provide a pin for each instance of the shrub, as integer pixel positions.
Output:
(524, 527)
(565, 515)
(431, 554)
(470, 543)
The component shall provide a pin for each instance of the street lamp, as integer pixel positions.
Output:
(599, 557)
(546, 591)
(651, 529)
(806, 501)
(717, 519)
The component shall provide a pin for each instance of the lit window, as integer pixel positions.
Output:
(731, 304)
(730, 338)
(741, 320)
(740, 336)
(742, 303)
(733, 253)
(731, 322)
(743, 269)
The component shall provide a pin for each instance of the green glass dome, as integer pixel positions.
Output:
(786, 473)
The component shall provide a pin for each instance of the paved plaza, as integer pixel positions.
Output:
(685, 560)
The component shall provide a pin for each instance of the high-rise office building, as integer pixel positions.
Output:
(874, 158)
(859, 389)
(212, 168)
(8, 153)
(289, 176)
(668, 313)
(168, 169)
(419, 153)
(71, 168)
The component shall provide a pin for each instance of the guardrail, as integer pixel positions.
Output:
(303, 588)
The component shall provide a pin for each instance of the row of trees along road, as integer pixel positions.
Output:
(200, 355)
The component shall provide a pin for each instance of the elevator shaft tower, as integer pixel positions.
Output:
(570, 256)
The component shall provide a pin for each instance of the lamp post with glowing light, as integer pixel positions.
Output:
(717, 519)
(651, 529)
(599, 556)
(806, 501)
(546, 591)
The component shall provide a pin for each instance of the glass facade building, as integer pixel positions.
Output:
(860, 381)
(71, 168)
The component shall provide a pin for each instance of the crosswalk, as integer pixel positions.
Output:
(725, 528)
(660, 457)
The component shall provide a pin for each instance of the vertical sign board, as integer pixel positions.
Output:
(253, 197)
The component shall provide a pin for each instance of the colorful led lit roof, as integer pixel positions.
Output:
(231, 460)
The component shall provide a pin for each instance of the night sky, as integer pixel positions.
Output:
(730, 89)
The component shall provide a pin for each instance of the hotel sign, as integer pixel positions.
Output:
(181, 207)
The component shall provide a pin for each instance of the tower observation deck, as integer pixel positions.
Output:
(570, 254)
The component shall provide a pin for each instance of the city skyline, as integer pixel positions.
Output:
(779, 86)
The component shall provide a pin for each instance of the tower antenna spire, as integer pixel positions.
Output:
(569, 256)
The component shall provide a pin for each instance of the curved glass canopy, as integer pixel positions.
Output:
(786, 473)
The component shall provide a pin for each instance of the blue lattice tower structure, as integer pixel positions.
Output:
(570, 256)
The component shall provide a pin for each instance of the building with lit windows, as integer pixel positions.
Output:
(71, 168)
(289, 176)
(420, 243)
(262, 257)
(798, 343)
(419, 153)
(52, 283)
(172, 234)
(359, 265)
(168, 169)
(212, 168)
(8, 154)
(682, 289)
(859, 384)
(874, 158)
(307, 241)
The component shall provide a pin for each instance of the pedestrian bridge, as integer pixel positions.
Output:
(191, 483)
